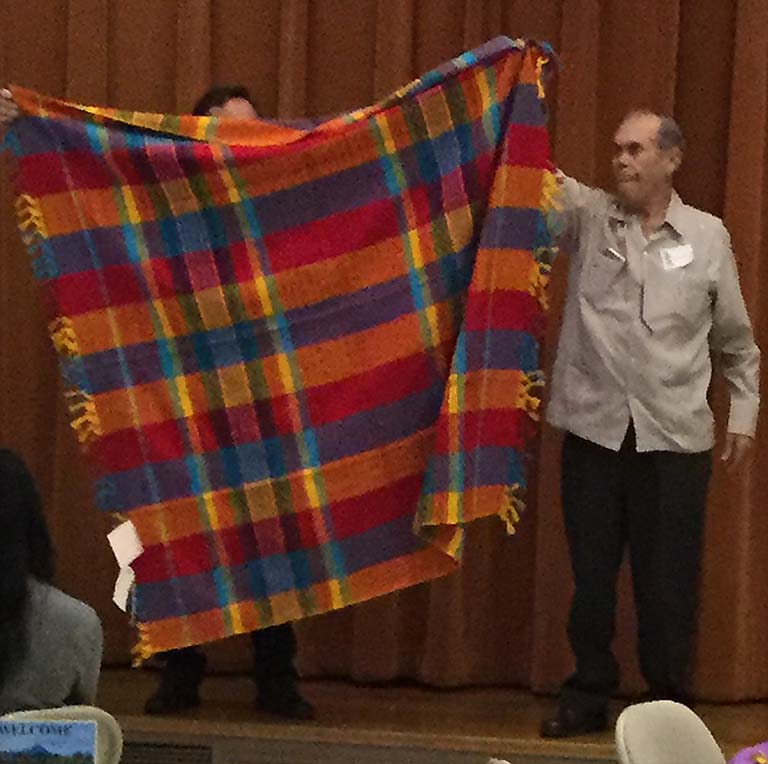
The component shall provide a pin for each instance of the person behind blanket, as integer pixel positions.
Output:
(50, 643)
(653, 295)
(274, 649)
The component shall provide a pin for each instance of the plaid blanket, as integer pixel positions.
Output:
(299, 357)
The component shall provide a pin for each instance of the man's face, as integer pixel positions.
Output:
(642, 170)
(235, 108)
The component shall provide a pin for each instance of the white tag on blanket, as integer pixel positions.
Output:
(676, 257)
(125, 543)
(126, 547)
(123, 588)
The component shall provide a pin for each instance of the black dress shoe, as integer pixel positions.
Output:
(572, 721)
(288, 705)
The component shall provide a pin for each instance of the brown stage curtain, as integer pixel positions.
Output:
(501, 618)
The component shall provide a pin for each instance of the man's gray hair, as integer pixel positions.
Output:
(670, 134)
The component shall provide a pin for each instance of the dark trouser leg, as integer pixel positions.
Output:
(593, 509)
(274, 653)
(667, 509)
(179, 681)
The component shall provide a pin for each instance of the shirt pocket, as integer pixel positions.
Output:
(675, 298)
(600, 273)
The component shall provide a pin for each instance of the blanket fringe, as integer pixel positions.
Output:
(141, 651)
(30, 221)
(84, 419)
(541, 62)
(528, 396)
(514, 506)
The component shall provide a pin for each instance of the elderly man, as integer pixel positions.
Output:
(274, 649)
(653, 295)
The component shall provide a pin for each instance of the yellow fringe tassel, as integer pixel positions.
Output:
(63, 336)
(538, 283)
(541, 62)
(513, 508)
(85, 421)
(30, 220)
(528, 397)
(141, 651)
(550, 192)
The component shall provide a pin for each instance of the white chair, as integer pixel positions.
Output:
(109, 736)
(664, 732)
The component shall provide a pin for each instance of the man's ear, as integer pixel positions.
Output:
(675, 158)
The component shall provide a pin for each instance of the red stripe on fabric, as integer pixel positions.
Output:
(43, 174)
(490, 427)
(333, 235)
(162, 276)
(504, 309)
(126, 165)
(119, 451)
(78, 293)
(234, 541)
(152, 566)
(122, 285)
(383, 384)
(191, 555)
(496, 427)
(376, 508)
(527, 146)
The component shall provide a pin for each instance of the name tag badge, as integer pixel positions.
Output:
(676, 257)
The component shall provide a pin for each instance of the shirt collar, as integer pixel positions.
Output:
(675, 217)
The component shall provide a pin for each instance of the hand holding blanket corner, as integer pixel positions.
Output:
(300, 359)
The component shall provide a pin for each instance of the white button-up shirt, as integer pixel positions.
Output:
(642, 319)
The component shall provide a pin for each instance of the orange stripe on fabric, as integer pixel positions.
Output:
(344, 357)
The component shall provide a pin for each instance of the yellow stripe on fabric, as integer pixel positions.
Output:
(453, 506)
(134, 218)
(310, 486)
(232, 191)
(453, 394)
(335, 591)
(265, 299)
(235, 617)
(211, 510)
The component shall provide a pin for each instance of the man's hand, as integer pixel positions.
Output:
(736, 449)
(8, 108)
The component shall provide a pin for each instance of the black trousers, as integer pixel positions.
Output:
(654, 503)
(274, 652)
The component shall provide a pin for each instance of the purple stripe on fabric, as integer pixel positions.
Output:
(382, 544)
(350, 313)
(177, 597)
(527, 108)
(384, 424)
(131, 488)
(35, 138)
(512, 227)
(312, 201)
(485, 466)
(508, 348)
